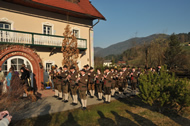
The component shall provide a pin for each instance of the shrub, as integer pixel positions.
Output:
(164, 90)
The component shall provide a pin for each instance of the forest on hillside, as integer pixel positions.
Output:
(173, 51)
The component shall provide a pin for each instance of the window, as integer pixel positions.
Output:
(16, 62)
(47, 29)
(5, 25)
(48, 66)
(76, 33)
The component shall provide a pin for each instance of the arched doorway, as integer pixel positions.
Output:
(16, 62)
(16, 55)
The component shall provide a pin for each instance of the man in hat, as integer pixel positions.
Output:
(73, 86)
(139, 73)
(23, 80)
(148, 70)
(65, 83)
(134, 77)
(59, 83)
(125, 79)
(139, 70)
(108, 82)
(82, 82)
(56, 67)
(116, 81)
(91, 84)
(98, 82)
(113, 82)
(126, 72)
(121, 82)
(158, 69)
(85, 67)
(55, 80)
(153, 70)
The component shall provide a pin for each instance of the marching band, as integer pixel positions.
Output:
(87, 81)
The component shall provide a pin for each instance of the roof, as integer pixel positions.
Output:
(83, 7)
(121, 62)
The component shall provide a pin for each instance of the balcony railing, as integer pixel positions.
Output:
(35, 39)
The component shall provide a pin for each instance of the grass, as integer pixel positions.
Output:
(124, 112)
(187, 49)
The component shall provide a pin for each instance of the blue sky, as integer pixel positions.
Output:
(139, 18)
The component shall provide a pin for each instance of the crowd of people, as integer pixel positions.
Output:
(7, 81)
(105, 83)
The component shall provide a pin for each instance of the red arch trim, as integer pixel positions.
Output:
(28, 53)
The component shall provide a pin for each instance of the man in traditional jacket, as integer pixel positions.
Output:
(59, 83)
(65, 83)
(98, 82)
(113, 82)
(134, 77)
(73, 85)
(91, 84)
(127, 79)
(55, 80)
(82, 82)
(108, 78)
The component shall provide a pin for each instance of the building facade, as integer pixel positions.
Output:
(107, 63)
(33, 29)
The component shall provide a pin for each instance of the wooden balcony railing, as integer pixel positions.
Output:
(35, 39)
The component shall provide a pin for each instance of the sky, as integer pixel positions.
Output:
(139, 18)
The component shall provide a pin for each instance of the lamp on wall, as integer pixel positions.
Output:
(52, 51)
(82, 53)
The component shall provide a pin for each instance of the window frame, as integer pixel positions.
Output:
(50, 25)
(46, 62)
(76, 29)
(5, 23)
(47, 69)
(6, 20)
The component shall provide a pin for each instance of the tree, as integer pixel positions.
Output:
(113, 60)
(98, 61)
(188, 36)
(69, 48)
(173, 53)
(157, 49)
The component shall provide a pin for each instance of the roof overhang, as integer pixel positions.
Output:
(32, 4)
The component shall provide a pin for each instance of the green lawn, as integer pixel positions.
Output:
(125, 112)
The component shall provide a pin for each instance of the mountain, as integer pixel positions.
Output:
(120, 47)
(97, 49)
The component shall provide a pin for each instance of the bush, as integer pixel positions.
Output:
(164, 90)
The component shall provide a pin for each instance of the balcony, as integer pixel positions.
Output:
(36, 39)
